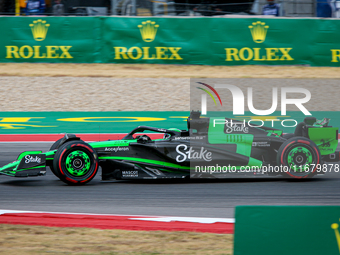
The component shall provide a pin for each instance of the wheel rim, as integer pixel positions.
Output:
(299, 159)
(77, 163)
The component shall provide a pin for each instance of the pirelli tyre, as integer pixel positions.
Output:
(299, 158)
(75, 163)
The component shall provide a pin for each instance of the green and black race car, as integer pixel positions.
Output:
(225, 145)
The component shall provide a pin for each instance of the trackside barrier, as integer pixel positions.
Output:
(293, 230)
(196, 40)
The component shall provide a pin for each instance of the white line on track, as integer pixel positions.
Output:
(188, 219)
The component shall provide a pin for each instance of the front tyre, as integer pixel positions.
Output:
(299, 157)
(76, 163)
(53, 147)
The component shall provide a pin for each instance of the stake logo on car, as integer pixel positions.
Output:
(189, 153)
(31, 159)
(236, 127)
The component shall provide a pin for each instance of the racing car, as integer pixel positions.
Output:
(179, 153)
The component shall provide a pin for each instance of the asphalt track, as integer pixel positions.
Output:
(191, 198)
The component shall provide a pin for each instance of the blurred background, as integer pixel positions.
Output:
(287, 8)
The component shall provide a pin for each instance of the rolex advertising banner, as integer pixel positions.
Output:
(190, 40)
(282, 230)
(51, 40)
(162, 40)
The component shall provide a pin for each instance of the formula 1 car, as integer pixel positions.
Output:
(221, 143)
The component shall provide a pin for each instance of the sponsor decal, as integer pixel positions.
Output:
(261, 144)
(39, 30)
(115, 149)
(325, 146)
(31, 159)
(148, 30)
(161, 130)
(190, 138)
(186, 153)
(129, 173)
(326, 149)
(236, 127)
(258, 31)
(324, 143)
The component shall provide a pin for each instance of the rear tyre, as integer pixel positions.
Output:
(299, 157)
(76, 163)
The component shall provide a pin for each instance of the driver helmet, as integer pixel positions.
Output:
(167, 135)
